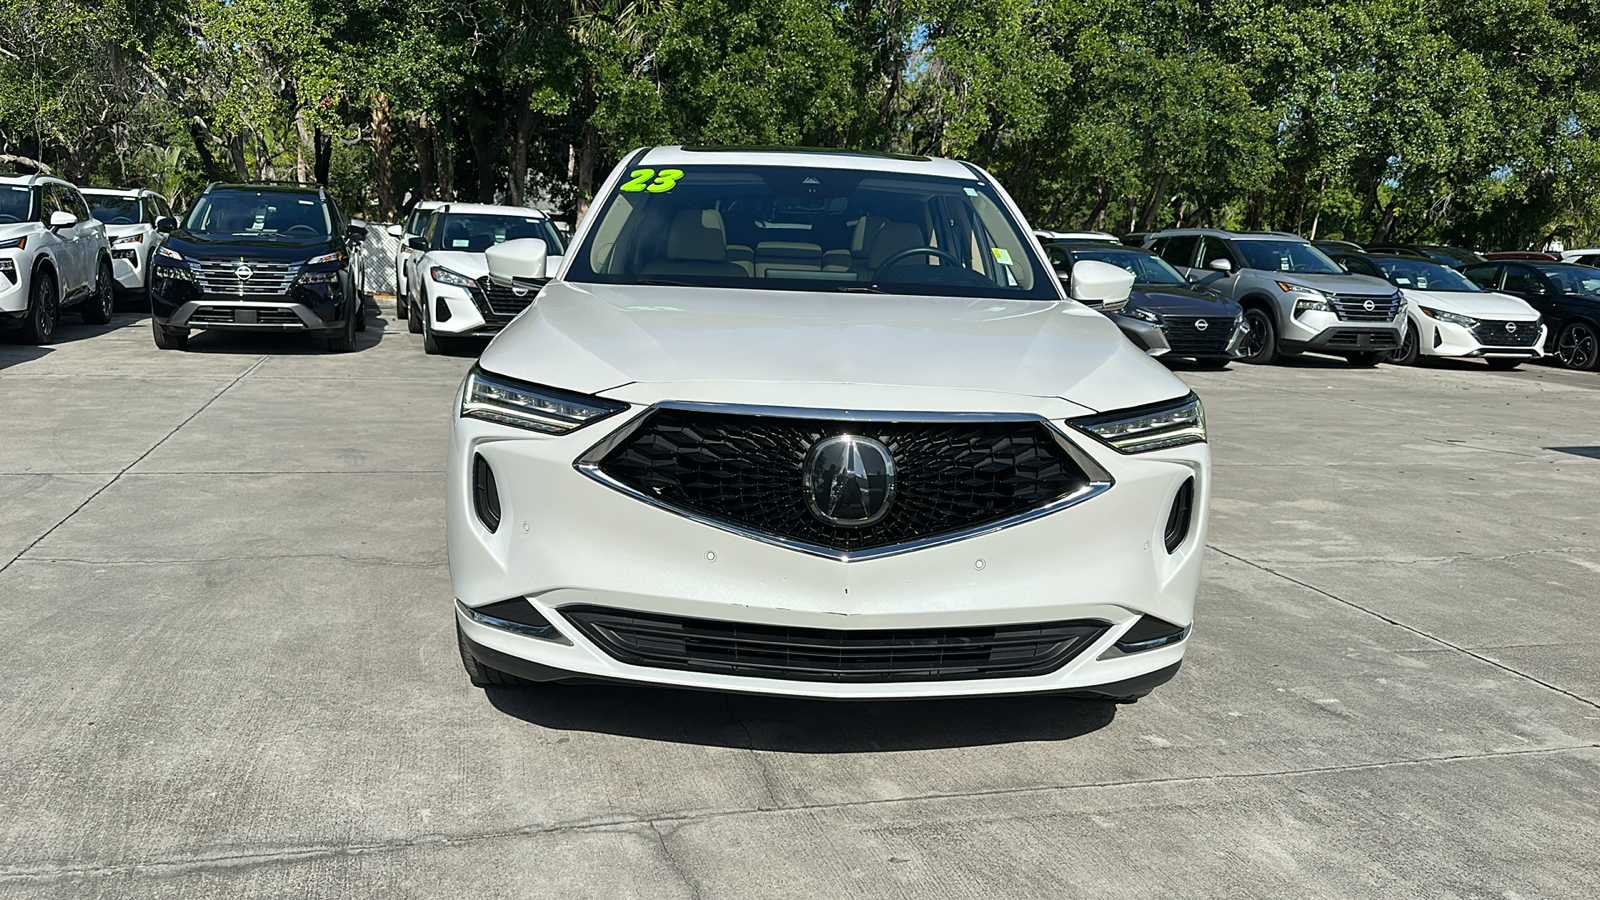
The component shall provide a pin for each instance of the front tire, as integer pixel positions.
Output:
(414, 324)
(1367, 358)
(169, 338)
(1260, 346)
(345, 340)
(1410, 348)
(480, 674)
(401, 306)
(1578, 347)
(97, 309)
(44, 309)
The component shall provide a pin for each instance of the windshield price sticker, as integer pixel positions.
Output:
(651, 180)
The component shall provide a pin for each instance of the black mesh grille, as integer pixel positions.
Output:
(1186, 338)
(815, 654)
(1493, 333)
(746, 470)
(502, 303)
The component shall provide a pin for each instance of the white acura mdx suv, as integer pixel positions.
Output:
(452, 295)
(820, 424)
(53, 255)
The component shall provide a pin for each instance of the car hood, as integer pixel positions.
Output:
(1479, 306)
(827, 350)
(17, 229)
(116, 231)
(472, 265)
(1333, 284)
(289, 250)
(1174, 300)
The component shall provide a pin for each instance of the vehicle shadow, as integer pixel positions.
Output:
(15, 354)
(801, 726)
(279, 343)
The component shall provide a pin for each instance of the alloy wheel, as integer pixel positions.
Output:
(1577, 346)
(1255, 341)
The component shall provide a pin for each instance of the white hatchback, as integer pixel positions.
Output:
(820, 424)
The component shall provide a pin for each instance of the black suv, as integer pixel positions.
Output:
(257, 257)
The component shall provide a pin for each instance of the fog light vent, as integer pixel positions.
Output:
(517, 616)
(1178, 518)
(1149, 633)
(485, 494)
(441, 309)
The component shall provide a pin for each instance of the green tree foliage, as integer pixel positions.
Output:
(1468, 121)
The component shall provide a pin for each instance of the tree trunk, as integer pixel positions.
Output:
(324, 151)
(302, 142)
(382, 165)
(422, 149)
(1381, 233)
(587, 158)
(443, 164)
(241, 166)
(519, 150)
(1097, 216)
(202, 147)
(1153, 210)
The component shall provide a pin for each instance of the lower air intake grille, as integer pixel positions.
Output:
(815, 654)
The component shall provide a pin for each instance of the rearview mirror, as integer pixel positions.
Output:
(1100, 284)
(417, 243)
(395, 231)
(1221, 265)
(166, 224)
(518, 262)
(62, 219)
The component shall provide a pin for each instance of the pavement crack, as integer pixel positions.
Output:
(755, 755)
(375, 560)
(1422, 560)
(224, 859)
(153, 448)
(1414, 630)
(672, 860)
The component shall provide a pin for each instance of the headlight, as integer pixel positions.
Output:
(450, 276)
(169, 253)
(1140, 313)
(1452, 318)
(326, 258)
(16, 243)
(128, 240)
(1154, 427)
(318, 277)
(493, 398)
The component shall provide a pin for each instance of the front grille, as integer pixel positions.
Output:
(500, 301)
(1353, 307)
(816, 654)
(266, 278)
(1184, 337)
(745, 470)
(1362, 340)
(1493, 333)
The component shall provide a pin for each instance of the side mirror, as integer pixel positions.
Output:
(356, 230)
(1099, 284)
(519, 261)
(418, 244)
(62, 219)
(1221, 265)
(166, 224)
(395, 231)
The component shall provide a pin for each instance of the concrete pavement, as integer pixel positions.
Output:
(230, 667)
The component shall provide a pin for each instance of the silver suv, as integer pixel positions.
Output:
(1294, 297)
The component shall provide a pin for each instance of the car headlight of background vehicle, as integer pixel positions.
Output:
(128, 240)
(1140, 313)
(16, 243)
(494, 398)
(1317, 302)
(326, 275)
(1145, 428)
(450, 277)
(1452, 318)
(169, 253)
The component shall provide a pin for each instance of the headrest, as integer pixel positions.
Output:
(692, 239)
(866, 229)
(797, 250)
(891, 239)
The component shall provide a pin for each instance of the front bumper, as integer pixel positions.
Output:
(566, 541)
(14, 294)
(1349, 340)
(314, 307)
(1159, 340)
(127, 268)
(1447, 339)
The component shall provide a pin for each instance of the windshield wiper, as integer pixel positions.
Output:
(857, 289)
(660, 282)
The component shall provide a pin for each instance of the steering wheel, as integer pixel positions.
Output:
(303, 229)
(896, 259)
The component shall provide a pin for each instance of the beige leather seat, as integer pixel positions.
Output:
(892, 238)
(861, 237)
(790, 255)
(694, 247)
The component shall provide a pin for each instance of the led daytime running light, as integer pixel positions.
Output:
(129, 239)
(534, 407)
(1146, 428)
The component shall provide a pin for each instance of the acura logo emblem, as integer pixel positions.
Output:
(1201, 325)
(244, 272)
(1511, 327)
(1369, 306)
(849, 480)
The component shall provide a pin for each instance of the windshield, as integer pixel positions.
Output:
(114, 210)
(1425, 276)
(264, 214)
(16, 204)
(1451, 256)
(419, 217)
(477, 232)
(810, 229)
(1573, 279)
(1146, 269)
(1298, 257)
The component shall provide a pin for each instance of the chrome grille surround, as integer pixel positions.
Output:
(1353, 307)
(266, 278)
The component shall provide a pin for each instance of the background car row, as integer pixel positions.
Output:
(54, 256)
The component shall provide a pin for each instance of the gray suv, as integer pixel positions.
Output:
(1294, 297)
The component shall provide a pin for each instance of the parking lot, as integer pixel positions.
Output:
(231, 667)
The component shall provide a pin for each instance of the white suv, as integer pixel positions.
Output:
(405, 258)
(451, 293)
(53, 255)
(820, 424)
(130, 217)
